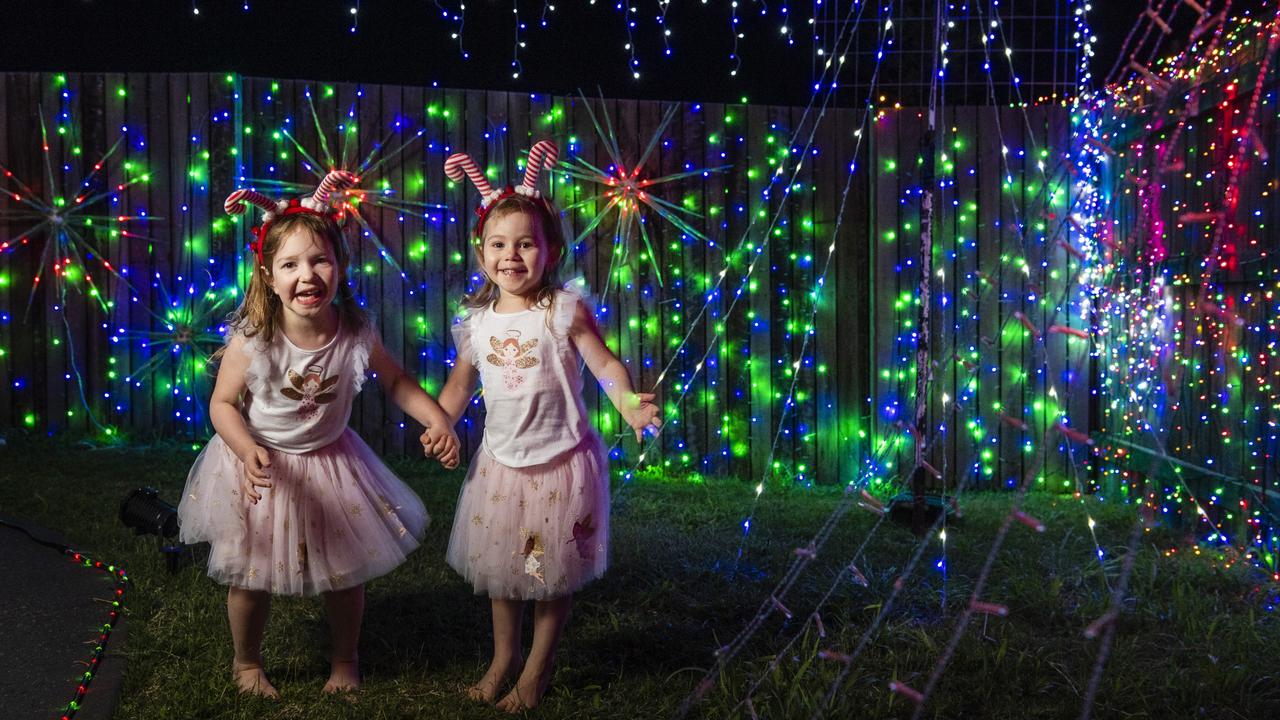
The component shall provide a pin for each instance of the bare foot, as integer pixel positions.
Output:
(500, 671)
(344, 676)
(251, 680)
(528, 691)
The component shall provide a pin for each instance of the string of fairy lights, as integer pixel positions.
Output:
(1091, 158)
(790, 379)
(99, 644)
(1103, 624)
(1094, 628)
(774, 604)
(757, 251)
(1156, 317)
(789, 403)
(1212, 337)
(645, 39)
(455, 14)
(1147, 332)
(808, 553)
(977, 604)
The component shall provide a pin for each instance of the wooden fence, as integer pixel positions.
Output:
(732, 314)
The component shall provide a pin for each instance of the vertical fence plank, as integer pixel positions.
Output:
(758, 301)
(992, 217)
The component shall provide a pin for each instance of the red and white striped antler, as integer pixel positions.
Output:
(335, 182)
(460, 163)
(544, 153)
(240, 200)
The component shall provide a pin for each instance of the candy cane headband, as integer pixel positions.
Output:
(544, 153)
(316, 204)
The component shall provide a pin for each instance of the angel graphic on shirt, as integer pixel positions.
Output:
(512, 356)
(310, 390)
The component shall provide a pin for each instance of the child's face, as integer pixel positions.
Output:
(305, 275)
(514, 254)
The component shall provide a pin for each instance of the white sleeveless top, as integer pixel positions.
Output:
(300, 400)
(532, 382)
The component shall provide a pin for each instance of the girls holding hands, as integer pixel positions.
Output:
(532, 522)
(293, 502)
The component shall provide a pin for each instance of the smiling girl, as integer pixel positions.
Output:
(292, 501)
(533, 518)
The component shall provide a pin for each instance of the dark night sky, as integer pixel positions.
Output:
(408, 42)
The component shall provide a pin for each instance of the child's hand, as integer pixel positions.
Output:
(256, 474)
(432, 442)
(641, 413)
(428, 442)
(449, 450)
(441, 442)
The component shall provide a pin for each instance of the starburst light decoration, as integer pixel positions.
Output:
(338, 148)
(625, 193)
(190, 328)
(63, 213)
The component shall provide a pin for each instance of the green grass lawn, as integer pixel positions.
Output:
(1194, 640)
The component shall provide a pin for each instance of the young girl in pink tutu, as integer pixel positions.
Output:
(533, 517)
(292, 501)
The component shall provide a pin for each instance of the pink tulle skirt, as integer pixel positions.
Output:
(334, 518)
(533, 533)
